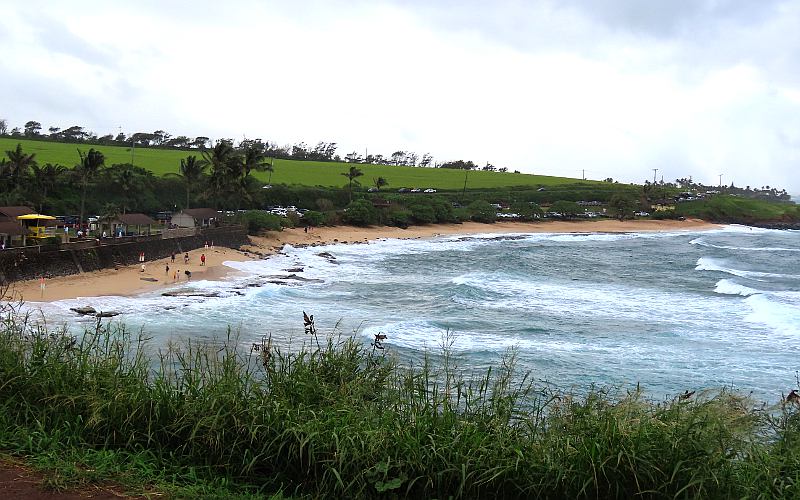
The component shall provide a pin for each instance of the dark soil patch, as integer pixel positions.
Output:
(18, 483)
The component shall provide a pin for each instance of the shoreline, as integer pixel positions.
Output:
(129, 280)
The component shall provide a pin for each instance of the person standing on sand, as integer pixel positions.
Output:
(173, 257)
(202, 259)
(186, 258)
(167, 272)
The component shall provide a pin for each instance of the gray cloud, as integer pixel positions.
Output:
(55, 37)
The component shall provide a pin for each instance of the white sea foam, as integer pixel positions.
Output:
(730, 287)
(712, 264)
(702, 242)
(421, 335)
(776, 312)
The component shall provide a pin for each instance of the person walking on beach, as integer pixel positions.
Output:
(186, 258)
(202, 259)
(173, 257)
(188, 275)
(167, 271)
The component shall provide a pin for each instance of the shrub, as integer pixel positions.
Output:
(360, 213)
(399, 218)
(314, 218)
(422, 213)
(567, 209)
(482, 211)
(528, 211)
(664, 214)
(257, 220)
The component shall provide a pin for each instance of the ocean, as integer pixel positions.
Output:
(668, 311)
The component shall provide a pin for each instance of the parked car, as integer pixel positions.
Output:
(403, 190)
(430, 190)
(416, 190)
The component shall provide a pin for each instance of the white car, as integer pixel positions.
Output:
(430, 190)
(416, 190)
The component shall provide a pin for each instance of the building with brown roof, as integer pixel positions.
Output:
(195, 217)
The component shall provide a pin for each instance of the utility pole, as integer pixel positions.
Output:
(583, 171)
(720, 180)
(464, 192)
(654, 175)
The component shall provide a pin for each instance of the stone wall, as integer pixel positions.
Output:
(30, 263)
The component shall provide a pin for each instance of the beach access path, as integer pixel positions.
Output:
(129, 280)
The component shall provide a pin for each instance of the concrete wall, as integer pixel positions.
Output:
(26, 264)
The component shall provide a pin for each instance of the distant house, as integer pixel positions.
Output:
(380, 203)
(14, 212)
(12, 230)
(195, 217)
(132, 224)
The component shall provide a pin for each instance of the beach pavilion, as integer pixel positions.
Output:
(195, 217)
(37, 226)
(131, 224)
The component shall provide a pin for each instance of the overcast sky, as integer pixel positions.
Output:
(691, 87)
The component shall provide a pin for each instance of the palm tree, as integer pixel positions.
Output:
(124, 177)
(88, 167)
(351, 175)
(269, 167)
(18, 164)
(223, 161)
(380, 182)
(108, 214)
(192, 172)
(45, 178)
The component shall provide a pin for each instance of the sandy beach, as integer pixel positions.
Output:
(131, 281)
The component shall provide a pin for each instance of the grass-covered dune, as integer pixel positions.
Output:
(338, 419)
(307, 173)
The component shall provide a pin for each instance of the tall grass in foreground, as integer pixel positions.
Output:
(340, 419)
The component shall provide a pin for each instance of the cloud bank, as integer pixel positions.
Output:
(691, 88)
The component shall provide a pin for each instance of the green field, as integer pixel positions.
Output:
(307, 173)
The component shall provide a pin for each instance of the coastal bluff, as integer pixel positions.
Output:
(34, 262)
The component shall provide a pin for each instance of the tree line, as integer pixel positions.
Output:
(321, 151)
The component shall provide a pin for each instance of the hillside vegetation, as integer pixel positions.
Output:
(734, 209)
(292, 172)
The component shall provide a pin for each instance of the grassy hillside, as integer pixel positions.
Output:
(308, 173)
(739, 210)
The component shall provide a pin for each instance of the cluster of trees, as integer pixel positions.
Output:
(469, 165)
(322, 151)
(687, 184)
(221, 176)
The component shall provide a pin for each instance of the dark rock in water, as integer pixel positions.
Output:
(169, 308)
(107, 314)
(294, 270)
(284, 283)
(291, 277)
(190, 294)
(330, 258)
(149, 279)
(777, 225)
(83, 310)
